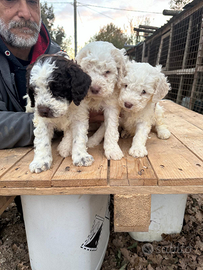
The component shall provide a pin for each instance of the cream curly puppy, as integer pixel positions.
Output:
(105, 64)
(143, 86)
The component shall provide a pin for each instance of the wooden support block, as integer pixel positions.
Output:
(4, 202)
(132, 213)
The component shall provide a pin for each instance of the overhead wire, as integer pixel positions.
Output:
(113, 8)
(98, 12)
(131, 10)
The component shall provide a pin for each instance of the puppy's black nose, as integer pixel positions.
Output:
(128, 105)
(45, 111)
(95, 90)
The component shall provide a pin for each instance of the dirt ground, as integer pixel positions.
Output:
(178, 251)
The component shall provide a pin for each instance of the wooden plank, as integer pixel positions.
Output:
(20, 176)
(190, 135)
(173, 163)
(118, 174)
(190, 116)
(130, 170)
(10, 156)
(140, 172)
(95, 175)
(177, 163)
(119, 190)
(4, 202)
(132, 213)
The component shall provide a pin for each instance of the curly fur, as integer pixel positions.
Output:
(106, 66)
(53, 82)
(143, 87)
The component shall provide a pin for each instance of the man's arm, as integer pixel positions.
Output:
(16, 129)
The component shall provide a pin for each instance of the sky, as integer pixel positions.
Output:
(92, 15)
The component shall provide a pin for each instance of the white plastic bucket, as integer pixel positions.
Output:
(66, 232)
(167, 214)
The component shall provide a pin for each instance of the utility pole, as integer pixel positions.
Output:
(75, 25)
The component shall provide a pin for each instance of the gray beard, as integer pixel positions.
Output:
(16, 41)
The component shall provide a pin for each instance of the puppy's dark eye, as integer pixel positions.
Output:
(106, 73)
(143, 92)
(126, 85)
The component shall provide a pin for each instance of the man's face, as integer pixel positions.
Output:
(20, 22)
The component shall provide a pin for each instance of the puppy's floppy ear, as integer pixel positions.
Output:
(120, 59)
(82, 54)
(30, 89)
(80, 82)
(161, 85)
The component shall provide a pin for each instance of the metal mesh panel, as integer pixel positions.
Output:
(178, 47)
(146, 50)
(185, 89)
(181, 91)
(197, 102)
(174, 81)
(194, 39)
(164, 51)
(178, 44)
(154, 48)
(138, 54)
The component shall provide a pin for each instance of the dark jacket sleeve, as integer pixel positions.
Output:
(16, 129)
(16, 126)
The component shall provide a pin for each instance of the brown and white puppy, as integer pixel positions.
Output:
(56, 86)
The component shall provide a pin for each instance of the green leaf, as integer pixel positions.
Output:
(123, 267)
(133, 246)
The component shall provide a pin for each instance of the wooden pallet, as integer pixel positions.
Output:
(173, 166)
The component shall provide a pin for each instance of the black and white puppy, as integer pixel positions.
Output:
(53, 82)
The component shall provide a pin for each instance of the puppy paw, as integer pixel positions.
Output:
(163, 134)
(38, 166)
(136, 151)
(83, 160)
(115, 153)
(64, 150)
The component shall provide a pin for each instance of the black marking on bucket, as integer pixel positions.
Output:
(92, 241)
(107, 214)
